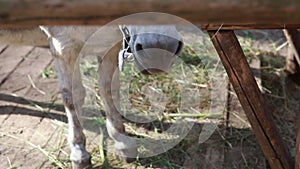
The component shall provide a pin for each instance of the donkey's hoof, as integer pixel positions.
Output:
(82, 163)
(80, 157)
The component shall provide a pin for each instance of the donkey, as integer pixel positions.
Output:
(66, 42)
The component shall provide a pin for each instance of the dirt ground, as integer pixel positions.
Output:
(33, 125)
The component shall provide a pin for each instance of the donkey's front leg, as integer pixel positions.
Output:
(73, 94)
(109, 91)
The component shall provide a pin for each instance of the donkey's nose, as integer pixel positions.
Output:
(156, 41)
(155, 53)
(139, 47)
(179, 48)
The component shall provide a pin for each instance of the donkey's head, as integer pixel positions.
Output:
(154, 47)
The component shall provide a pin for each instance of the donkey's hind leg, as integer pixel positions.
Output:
(73, 94)
(109, 90)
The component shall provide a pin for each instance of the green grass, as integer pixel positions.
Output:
(139, 91)
(49, 72)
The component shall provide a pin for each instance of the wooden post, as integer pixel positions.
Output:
(297, 160)
(251, 99)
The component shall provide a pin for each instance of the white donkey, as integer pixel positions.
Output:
(65, 44)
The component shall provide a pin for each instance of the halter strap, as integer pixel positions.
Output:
(125, 54)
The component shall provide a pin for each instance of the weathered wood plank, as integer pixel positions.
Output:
(247, 26)
(31, 68)
(10, 58)
(57, 12)
(32, 126)
(251, 98)
(14, 72)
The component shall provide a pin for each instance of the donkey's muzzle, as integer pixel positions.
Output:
(155, 53)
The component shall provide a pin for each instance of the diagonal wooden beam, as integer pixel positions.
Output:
(251, 99)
